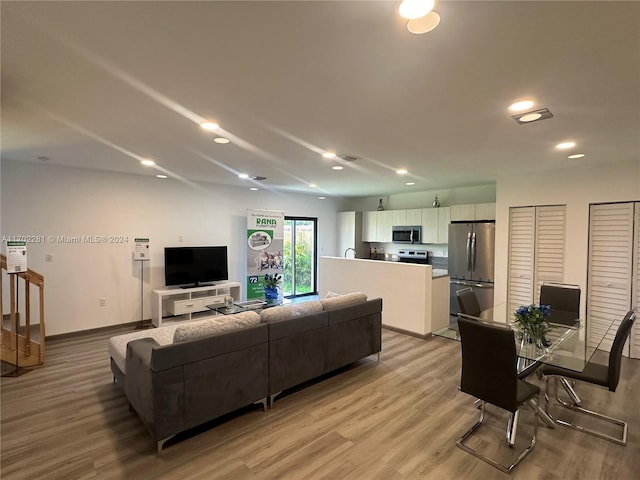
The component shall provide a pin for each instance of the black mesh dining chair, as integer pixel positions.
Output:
(489, 374)
(564, 300)
(468, 302)
(603, 375)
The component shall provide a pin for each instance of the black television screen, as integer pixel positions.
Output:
(195, 265)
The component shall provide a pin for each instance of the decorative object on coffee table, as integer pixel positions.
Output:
(271, 287)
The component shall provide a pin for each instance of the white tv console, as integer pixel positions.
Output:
(183, 304)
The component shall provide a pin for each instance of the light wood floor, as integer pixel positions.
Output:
(398, 419)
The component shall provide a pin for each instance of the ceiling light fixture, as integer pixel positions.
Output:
(415, 8)
(243, 175)
(209, 126)
(322, 198)
(329, 155)
(337, 167)
(565, 145)
(521, 105)
(254, 189)
(147, 162)
(576, 155)
(221, 140)
(424, 24)
(533, 116)
(313, 185)
(161, 176)
(401, 171)
(410, 183)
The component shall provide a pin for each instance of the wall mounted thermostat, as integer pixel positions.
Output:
(141, 253)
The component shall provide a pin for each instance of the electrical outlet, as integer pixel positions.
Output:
(103, 302)
(48, 257)
(180, 238)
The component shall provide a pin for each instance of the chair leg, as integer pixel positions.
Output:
(512, 428)
(504, 468)
(568, 387)
(622, 440)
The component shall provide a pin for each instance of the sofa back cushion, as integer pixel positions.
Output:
(346, 300)
(209, 326)
(285, 312)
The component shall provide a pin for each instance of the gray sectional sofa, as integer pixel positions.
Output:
(180, 376)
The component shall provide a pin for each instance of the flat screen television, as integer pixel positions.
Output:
(193, 266)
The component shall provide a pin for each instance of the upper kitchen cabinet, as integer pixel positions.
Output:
(399, 218)
(384, 222)
(406, 218)
(350, 234)
(473, 212)
(369, 233)
(435, 224)
(414, 217)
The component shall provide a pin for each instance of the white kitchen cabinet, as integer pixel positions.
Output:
(350, 234)
(435, 225)
(369, 233)
(399, 218)
(414, 217)
(384, 223)
(473, 212)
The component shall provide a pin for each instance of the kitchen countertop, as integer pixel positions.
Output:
(439, 272)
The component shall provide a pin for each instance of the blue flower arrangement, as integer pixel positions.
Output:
(532, 319)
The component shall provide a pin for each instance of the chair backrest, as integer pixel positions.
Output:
(468, 302)
(615, 354)
(489, 363)
(564, 301)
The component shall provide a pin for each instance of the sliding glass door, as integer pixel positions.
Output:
(300, 256)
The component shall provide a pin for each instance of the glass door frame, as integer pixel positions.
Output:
(314, 260)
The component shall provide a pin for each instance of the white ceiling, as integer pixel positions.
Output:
(102, 84)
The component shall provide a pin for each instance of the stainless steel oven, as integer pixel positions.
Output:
(406, 234)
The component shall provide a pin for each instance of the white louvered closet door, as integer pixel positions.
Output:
(635, 302)
(550, 246)
(521, 256)
(610, 270)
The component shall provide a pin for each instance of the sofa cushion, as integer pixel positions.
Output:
(346, 300)
(285, 312)
(118, 344)
(220, 323)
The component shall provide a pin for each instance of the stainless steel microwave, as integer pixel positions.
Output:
(406, 234)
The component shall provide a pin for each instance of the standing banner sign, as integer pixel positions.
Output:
(265, 242)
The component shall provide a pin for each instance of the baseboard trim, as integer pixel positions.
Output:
(81, 333)
(406, 332)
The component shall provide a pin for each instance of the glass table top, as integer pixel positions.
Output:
(567, 345)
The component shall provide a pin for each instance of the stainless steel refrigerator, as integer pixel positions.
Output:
(471, 261)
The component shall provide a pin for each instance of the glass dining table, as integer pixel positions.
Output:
(568, 346)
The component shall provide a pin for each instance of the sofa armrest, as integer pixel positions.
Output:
(138, 379)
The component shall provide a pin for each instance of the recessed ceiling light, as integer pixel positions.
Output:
(313, 185)
(161, 176)
(209, 126)
(424, 24)
(410, 183)
(521, 105)
(576, 155)
(534, 115)
(221, 140)
(530, 117)
(243, 175)
(147, 163)
(401, 171)
(322, 198)
(254, 189)
(337, 167)
(329, 154)
(565, 145)
(415, 8)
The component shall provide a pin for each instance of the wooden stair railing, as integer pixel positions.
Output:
(30, 352)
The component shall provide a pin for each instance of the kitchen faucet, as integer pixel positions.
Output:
(347, 250)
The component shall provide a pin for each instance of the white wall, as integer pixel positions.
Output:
(40, 199)
(575, 187)
(424, 199)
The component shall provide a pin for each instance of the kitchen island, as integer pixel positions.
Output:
(415, 299)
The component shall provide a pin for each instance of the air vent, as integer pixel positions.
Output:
(348, 158)
(533, 116)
